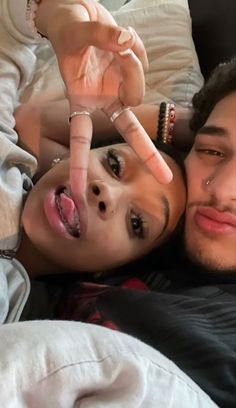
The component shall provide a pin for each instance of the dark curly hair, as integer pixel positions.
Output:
(221, 83)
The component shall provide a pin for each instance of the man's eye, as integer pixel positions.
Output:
(115, 162)
(137, 225)
(211, 152)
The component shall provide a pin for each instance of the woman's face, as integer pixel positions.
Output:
(126, 212)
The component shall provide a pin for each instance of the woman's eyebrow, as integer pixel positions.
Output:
(166, 208)
(166, 211)
(212, 131)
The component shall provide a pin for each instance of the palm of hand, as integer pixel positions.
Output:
(92, 78)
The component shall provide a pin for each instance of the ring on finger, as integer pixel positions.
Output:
(78, 113)
(119, 112)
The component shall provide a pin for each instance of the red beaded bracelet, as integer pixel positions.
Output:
(166, 122)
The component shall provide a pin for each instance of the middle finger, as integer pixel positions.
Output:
(135, 135)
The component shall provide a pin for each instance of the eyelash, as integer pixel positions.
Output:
(116, 164)
(140, 231)
(211, 152)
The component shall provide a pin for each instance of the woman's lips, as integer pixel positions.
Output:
(68, 212)
(53, 216)
(215, 222)
(55, 219)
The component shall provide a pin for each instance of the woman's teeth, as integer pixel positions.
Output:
(68, 212)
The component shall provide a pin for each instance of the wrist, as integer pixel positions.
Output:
(183, 137)
(148, 117)
(54, 16)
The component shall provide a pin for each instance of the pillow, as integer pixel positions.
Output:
(58, 364)
(165, 28)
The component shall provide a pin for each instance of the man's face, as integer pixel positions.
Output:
(210, 230)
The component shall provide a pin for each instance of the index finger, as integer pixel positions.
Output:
(80, 141)
(135, 135)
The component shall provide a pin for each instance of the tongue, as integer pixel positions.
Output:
(68, 208)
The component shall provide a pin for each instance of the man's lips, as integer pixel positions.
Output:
(213, 221)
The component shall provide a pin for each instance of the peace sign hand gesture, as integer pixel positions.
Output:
(102, 66)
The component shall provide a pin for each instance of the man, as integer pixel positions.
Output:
(186, 306)
(210, 226)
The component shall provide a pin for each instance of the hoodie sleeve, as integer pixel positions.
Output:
(17, 65)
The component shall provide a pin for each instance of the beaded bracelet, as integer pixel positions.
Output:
(166, 122)
(31, 10)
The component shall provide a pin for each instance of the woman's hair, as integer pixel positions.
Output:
(221, 83)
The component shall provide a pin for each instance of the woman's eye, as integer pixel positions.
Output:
(137, 225)
(115, 162)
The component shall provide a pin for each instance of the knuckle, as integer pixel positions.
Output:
(150, 157)
(79, 168)
(134, 100)
(132, 132)
(80, 139)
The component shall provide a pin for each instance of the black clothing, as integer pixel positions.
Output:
(179, 312)
(185, 313)
(214, 32)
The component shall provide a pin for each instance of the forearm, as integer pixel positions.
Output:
(39, 124)
(43, 132)
(148, 116)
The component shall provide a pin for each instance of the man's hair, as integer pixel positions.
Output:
(220, 84)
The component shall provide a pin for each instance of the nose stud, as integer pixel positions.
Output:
(208, 182)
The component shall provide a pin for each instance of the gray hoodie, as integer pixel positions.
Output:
(17, 63)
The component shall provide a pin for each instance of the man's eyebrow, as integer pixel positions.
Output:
(212, 131)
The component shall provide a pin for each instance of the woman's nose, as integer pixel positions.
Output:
(101, 195)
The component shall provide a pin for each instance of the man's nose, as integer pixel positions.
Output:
(222, 183)
(102, 196)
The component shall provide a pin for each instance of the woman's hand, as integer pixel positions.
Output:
(87, 43)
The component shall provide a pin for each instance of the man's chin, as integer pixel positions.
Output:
(208, 261)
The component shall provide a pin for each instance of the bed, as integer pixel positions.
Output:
(175, 75)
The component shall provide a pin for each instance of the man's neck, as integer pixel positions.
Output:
(35, 263)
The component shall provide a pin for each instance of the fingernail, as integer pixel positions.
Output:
(125, 35)
(125, 52)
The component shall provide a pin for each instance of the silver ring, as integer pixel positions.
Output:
(78, 113)
(117, 113)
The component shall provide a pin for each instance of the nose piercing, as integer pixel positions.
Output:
(208, 181)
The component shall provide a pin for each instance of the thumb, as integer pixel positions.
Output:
(105, 36)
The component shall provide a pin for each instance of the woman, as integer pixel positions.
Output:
(126, 213)
(78, 27)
